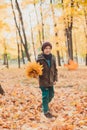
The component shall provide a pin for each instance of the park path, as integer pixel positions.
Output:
(20, 108)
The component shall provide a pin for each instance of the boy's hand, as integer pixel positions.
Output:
(54, 83)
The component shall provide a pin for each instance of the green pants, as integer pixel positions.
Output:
(47, 95)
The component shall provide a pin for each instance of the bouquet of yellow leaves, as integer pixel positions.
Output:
(34, 69)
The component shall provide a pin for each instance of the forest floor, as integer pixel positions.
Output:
(20, 108)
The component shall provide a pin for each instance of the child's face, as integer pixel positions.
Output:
(47, 50)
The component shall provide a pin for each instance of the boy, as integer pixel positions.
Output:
(49, 76)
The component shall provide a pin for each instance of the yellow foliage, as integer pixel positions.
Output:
(33, 69)
(27, 2)
(4, 25)
(72, 65)
(3, 6)
(13, 126)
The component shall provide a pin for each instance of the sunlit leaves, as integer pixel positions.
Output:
(34, 69)
(4, 26)
(27, 2)
(20, 108)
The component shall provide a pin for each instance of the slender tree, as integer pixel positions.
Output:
(85, 29)
(56, 32)
(39, 33)
(75, 43)
(42, 22)
(22, 24)
(32, 37)
(22, 53)
(18, 47)
(68, 22)
(21, 48)
(5, 55)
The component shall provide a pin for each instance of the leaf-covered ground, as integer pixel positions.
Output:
(20, 108)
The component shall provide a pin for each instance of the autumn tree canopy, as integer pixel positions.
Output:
(25, 25)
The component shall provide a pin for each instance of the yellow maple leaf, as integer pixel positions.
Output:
(33, 69)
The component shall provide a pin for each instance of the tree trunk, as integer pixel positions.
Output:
(23, 29)
(6, 60)
(76, 53)
(2, 90)
(22, 55)
(68, 31)
(18, 55)
(58, 55)
(85, 29)
(39, 33)
(19, 32)
(70, 44)
(18, 47)
(42, 21)
(56, 33)
(7, 63)
(86, 59)
(32, 39)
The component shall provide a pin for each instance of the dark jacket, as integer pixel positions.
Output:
(49, 73)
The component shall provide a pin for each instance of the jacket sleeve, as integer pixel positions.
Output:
(55, 70)
(38, 59)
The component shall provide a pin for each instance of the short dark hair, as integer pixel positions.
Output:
(45, 44)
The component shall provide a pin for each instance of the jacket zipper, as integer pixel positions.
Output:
(49, 69)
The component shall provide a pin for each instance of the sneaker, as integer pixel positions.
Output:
(48, 115)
